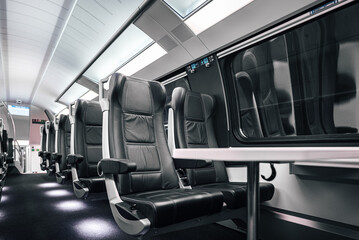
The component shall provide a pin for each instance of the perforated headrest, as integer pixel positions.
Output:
(133, 95)
(89, 112)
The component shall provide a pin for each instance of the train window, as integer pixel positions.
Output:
(301, 83)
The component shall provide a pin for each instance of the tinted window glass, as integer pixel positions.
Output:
(303, 82)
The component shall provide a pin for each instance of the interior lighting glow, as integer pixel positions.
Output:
(64, 111)
(2, 214)
(95, 228)
(23, 142)
(184, 7)
(49, 185)
(212, 13)
(57, 193)
(148, 56)
(4, 199)
(90, 95)
(71, 206)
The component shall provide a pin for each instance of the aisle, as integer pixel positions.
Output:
(34, 206)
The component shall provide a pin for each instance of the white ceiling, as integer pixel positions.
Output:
(37, 61)
(45, 44)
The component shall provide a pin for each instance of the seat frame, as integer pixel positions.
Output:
(80, 190)
(50, 167)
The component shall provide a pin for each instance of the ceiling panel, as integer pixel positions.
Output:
(91, 25)
(45, 44)
(246, 20)
(29, 31)
(131, 42)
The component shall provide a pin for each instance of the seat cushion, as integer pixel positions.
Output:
(235, 193)
(166, 207)
(94, 184)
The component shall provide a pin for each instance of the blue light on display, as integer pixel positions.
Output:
(193, 66)
(205, 60)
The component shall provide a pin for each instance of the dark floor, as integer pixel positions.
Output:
(34, 206)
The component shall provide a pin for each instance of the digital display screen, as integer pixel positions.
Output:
(194, 65)
(19, 110)
(204, 61)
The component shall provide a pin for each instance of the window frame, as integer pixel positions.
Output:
(225, 58)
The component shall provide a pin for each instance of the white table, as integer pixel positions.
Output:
(255, 155)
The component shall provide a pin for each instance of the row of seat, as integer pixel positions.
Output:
(71, 148)
(119, 145)
(6, 154)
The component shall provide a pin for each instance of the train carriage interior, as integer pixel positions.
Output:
(193, 119)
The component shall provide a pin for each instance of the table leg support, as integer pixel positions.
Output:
(252, 200)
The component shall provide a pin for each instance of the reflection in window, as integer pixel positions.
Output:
(303, 82)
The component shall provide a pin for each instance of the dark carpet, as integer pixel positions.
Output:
(34, 206)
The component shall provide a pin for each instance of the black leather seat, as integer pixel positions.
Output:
(87, 148)
(43, 148)
(3, 154)
(63, 170)
(193, 125)
(141, 170)
(50, 147)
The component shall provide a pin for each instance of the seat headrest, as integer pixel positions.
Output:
(62, 121)
(196, 106)
(133, 94)
(89, 112)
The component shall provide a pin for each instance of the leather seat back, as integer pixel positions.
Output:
(88, 136)
(193, 124)
(136, 133)
(43, 138)
(51, 136)
(63, 139)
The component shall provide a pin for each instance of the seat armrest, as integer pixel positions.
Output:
(116, 166)
(74, 158)
(56, 157)
(188, 163)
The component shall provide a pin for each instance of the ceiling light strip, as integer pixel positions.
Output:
(213, 13)
(130, 59)
(143, 7)
(53, 52)
(147, 57)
